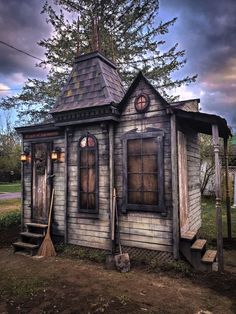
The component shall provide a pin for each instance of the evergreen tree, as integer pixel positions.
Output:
(126, 31)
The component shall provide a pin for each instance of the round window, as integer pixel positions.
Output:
(141, 103)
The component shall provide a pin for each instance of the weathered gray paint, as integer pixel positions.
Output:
(193, 162)
(147, 230)
(144, 229)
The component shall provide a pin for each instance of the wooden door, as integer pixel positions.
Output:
(41, 183)
(183, 183)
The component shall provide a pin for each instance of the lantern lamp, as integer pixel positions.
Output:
(55, 154)
(24, 157)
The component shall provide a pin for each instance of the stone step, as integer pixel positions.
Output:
(199, 245)
(189, 235)
(209, 257)
(31, 235)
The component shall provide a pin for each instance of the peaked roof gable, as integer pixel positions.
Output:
(94, 81)
(132, 87)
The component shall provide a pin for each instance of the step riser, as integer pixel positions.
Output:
(185, 249)
(39, 230)
(25, 250)
(196, 256)
(31, 240)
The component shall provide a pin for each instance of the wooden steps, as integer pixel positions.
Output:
(189, 235)
(25, 245)
(35, 225)
(31, 235)
(31, 239)
(195, 252)
(209, 257)
(199, 244)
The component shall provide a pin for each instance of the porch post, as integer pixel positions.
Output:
(234, 204)
(22, 186)
(66, 188)
(111, 174)
(175, 201)
(227, 188)
(215, 137)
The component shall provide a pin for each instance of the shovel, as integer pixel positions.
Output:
(122, 260)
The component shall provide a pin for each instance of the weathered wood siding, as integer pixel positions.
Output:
(193, 161)
(89, 229)
(59, 199)
(143, 229)
(27, 189)
(183, 183)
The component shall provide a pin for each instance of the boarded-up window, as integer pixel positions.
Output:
(142, 171)
(143, 167)
(88, 190)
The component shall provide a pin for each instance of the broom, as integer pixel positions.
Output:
(47, 249)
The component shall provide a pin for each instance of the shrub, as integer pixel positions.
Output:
(79, 252)
(10, 219)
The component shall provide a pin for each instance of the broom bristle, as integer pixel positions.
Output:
(47, 249)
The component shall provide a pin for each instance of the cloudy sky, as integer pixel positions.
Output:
(205, 29)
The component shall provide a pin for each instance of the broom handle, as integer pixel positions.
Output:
(113, 215)
(50, 211)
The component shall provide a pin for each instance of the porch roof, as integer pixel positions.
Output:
(202, 122)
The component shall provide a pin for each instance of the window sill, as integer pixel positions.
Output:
(88, 215)
(162, 212)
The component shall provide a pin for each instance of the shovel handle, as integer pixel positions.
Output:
(117, 221)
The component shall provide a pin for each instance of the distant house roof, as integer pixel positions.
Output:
(94, 81)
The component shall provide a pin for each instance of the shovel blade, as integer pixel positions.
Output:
(122, 262)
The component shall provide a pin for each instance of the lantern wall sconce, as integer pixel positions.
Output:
(56, 154)
(25, 155)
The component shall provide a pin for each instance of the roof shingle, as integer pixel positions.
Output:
(94, 81)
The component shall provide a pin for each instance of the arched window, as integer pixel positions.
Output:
(88, 174)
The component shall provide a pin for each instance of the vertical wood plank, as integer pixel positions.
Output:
(111, 179)
(215, 138)
(183, 183)
(175, 204)
(66, 187)
(228, 209)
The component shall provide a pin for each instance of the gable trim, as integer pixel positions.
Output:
(132, 87)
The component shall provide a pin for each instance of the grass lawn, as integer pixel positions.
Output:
(208, 230)
(10, 187)
(10, 205)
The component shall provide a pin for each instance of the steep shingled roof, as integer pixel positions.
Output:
(94, 81)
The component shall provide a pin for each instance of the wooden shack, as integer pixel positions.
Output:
(103, 137)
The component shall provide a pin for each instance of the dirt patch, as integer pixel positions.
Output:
(8, 236)
(61, 285)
